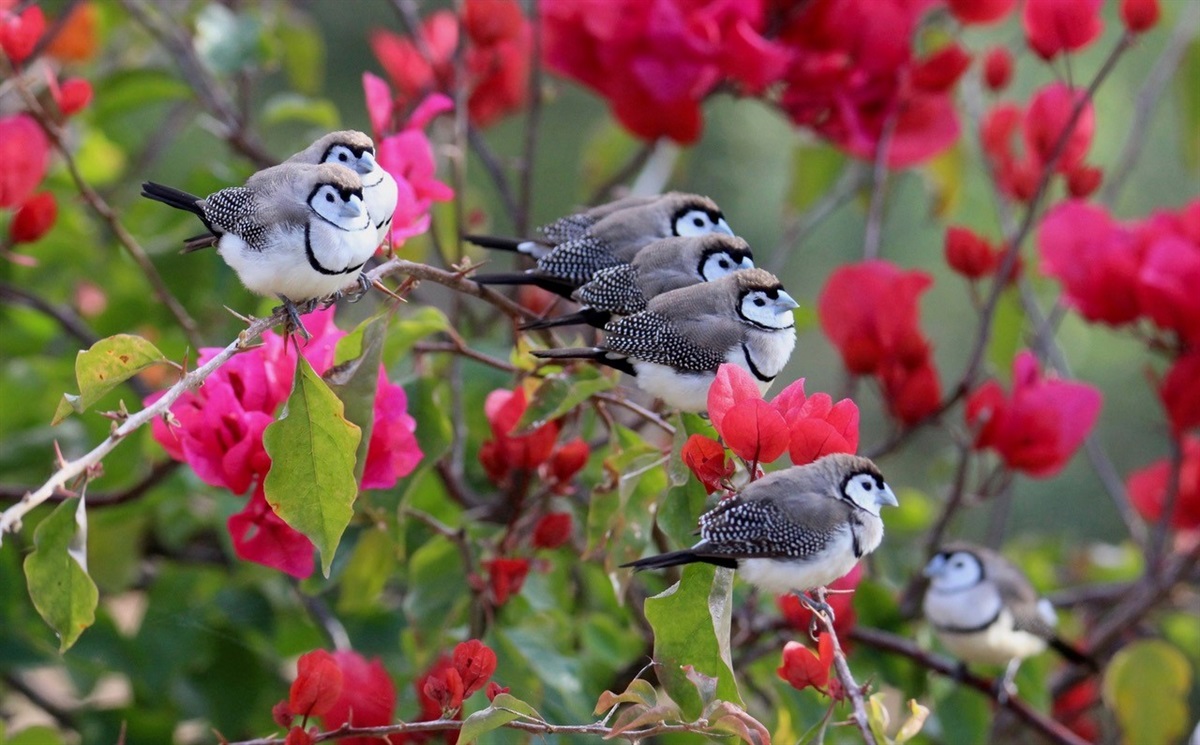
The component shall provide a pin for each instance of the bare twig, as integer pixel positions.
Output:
(533, 118)
(495, 171)
(952, 669)
(216, 101)
(63, 717)
(454, 347)
(63, 315)
(849, 686)
(98, 500)
(873, 233)
(604, 191)
(641, 411)
(1147, 99)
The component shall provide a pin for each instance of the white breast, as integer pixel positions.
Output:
(380, 199)
(780, 576)
(996, 645)
(684, 392)
(282, 268)
(769, 353)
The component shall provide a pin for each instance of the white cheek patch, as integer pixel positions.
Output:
(693, 223)
(717, 266)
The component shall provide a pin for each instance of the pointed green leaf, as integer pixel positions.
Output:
(504, 709)
(412, 328)
(877, 717)
(1144, 666)
(109, 363)
(639, 691)
(311, 483)
(371, 565)
(56, 571)
(558, 395)
(303, 53)
(917, 714)
(354, 377)
(691, 627)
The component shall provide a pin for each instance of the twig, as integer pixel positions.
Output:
(158, 473)
(454, 280)
(1147, 99)
(496, 172)
(1158, 538)
(873, 233)
(899, 645)
(604, 191)
(450, 347)
(320, 613)
(849, 686)
(533, 118)
(10, 519)
(64, 315)
(105, 212)
(215, 100)
(63, 717)
(641, 411)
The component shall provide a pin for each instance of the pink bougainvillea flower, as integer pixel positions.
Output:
(475, 663)
(368, 697)
(980, 11)
(1148, 489)
(1167, 280)
(1096, 260)
(806, 427)
(317, 686)
(997, 69)
(19, 32)
(1056, 26)
(220, 436)
(552, 530)
(1180, 392)
(1139, 15)
(408, 157)
(566, 460)
(970, 255)
(25, 153)
(1046, 119)
(33, 219)
(506, 453)
(911, 391)
(1039, 426)
(708, 462)
(803, 668)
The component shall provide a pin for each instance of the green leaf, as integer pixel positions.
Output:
(36, 735)
(877, 717)
(109, 363)
(59, 585)
(691, 627)
(1007, 326)
(504, 709)
(1188, 96)
(100, 160)
(945, 175)
(816, 169)
(1145, 666)
(293, 107)
(412, 328)
(354, 377)
(371, 564)
(228, 41)
(557, 395)
(639, 691)
(917, 714)
(311, 483)
(303, 54)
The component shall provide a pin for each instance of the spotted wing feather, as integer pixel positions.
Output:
(650, 337)
(577, 260)
(235, 210)
(614, 289)
(760, 529)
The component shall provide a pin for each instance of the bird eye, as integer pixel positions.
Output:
(328, 197)
(868, 484)
(724, 263)
(698, 222)
(759, 302)
(342, 157)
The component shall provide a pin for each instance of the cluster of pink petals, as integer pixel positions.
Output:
(760, 431)
(221, 427)
(1041, 125)
(1039, 425)
(1149, 488)
(869, 311)
(407, 155)
(1146, 270)
(656, 60)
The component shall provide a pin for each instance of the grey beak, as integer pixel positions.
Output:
(723, 227)
(352, 208)
(934, 567)
(785, 302)
(367, 161)
(887, 496)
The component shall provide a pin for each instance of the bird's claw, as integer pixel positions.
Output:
(818, 607)
(293, 322)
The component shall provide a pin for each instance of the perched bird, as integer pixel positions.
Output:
(356, 151)
(793, 530)
(664, 265)
(578, 246)
(676, 344)
(297, 232)
(984, 610)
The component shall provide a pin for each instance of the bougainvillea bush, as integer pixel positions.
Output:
(406, 529)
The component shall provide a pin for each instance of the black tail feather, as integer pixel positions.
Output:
(589, 316)
(1072, 654)
(198, 242)
(677, 558)
(533, 249)
(559, 287)
(176, 198)
(594, 354)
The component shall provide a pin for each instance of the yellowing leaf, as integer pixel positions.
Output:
(311, 484)
(109, 363)
(1146, 685)
(945, 174)
(504, 709)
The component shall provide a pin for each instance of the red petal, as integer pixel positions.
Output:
(731, 385)
(755, 430)
(317, 686)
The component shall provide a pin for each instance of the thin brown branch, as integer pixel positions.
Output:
(495, 171)
(450, 347)
(65, 316)
(604, 191)
(97, 500)
(63, 717)
(533, 118)
(886, 642)
(873, 232)
(849, 686)
(456, 280)
(641, 411)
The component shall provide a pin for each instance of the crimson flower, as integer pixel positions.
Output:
(840, 599)
(71, 95)
(506, 453)
(505, 578)
(19, 32)
(33, 219)
(552, 530)
(970, 255)
(445, 690)
(1055, 26)
(1039, 426)
(220, 437)
(368, 697)
(25, 153)
(802, 668)
(317, 686)
(980, 11)
(1046, 120)
(997, 69)
(1180, 392)
(869, 311)
(1148, 489)
(1170, 267)
(707, 460)
(1076, 707)
(912, 391)
(475, 663)
(760, 431)
(494, 689)
(565, 461)
(1139, 15)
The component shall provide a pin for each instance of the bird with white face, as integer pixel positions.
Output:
(356, 151)
(297, 232)
(578, 246)
(674, 347)
(984, 610)
(793, 530)
(664, 265)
